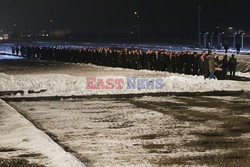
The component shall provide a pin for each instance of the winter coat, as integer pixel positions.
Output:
(232, 63)
(205, 65)
(224, 63)
(201, 63)
(211, 64)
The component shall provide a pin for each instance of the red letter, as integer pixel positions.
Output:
(110, 84)
(90, 83)
(119, 82)
(100, 84)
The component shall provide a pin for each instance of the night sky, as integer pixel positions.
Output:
(87, 15)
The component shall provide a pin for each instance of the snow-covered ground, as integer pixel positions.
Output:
(9, 57)
(67, 85)
(148, 131)
(18, 134)
(70, 79)
(144, 131)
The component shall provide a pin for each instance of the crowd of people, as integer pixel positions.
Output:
(191, 63)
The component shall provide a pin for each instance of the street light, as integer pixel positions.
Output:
(242, 40)
(52, 27)
(212, 35)
(139, 26)
(219, 38)
(205, 39)
(234, 39)
(14, 27)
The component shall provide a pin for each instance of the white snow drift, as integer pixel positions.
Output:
(17, 132)
(66, 85)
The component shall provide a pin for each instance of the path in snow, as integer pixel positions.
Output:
(20, 139)
(147, 131)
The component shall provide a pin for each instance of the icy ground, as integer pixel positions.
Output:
(20, 139)
(148, 131)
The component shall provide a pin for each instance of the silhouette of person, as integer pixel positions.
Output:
(226, 47)
(238, 48)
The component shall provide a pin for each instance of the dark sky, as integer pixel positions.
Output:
(155, 14)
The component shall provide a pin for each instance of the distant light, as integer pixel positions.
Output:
(14, 25)
(230, 28)
(1, 38)
(136, 13)
(218, 27)
(51, 21)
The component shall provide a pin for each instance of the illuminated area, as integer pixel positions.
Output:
(124, 83)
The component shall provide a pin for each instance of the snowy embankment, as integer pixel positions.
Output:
(18, 133)
(67, 85)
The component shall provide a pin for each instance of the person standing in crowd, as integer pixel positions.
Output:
(201, 63)
(189, 62)
(238, 48)
(216, 59)
(232, 66)
(13, 50)
(224, 67)
(17, 50)
(206, 66)
(226, 47)
(196, 64)
(211, 64)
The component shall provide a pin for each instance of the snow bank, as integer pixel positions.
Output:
(8, 57)
(6, 48)
(66, 85)
(17, 132)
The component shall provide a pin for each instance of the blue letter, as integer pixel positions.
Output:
(159, 84)
(140, 83)
(150, 84)
(131, 83)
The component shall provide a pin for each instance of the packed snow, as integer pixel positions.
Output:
(148, 131)
(67, 85)
(8, 57)
(110, 132)
(18, 133)
(72, 79)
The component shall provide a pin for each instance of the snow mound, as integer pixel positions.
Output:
(67, 85)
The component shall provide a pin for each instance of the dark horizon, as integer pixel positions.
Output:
(172, 15)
